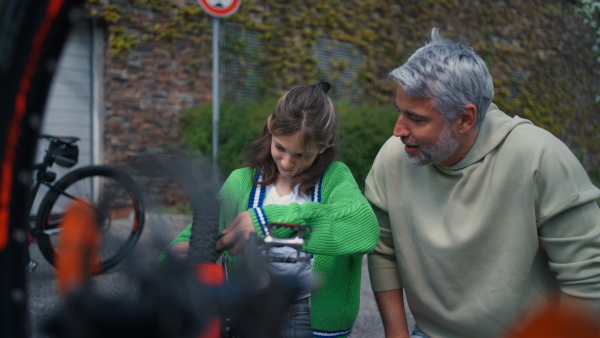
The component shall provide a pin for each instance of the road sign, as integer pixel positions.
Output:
(220, 8)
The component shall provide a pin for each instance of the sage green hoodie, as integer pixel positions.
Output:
(476, 244)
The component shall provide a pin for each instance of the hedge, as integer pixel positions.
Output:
(363, 131)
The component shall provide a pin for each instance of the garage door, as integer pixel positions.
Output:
(75, 97)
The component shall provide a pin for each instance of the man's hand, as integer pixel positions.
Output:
(180, 250)
(237, 233)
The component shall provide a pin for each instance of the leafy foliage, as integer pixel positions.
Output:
(238, 125)
(364, 129)
(540, 72)
(590, 10)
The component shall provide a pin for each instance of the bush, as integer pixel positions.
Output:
(238, 125)
(363, 131)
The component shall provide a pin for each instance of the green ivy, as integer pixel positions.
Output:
(590, 10)
(121, 41)
(555, 86)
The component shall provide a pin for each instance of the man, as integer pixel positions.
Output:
(482, 216)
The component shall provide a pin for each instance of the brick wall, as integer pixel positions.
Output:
(144, 91)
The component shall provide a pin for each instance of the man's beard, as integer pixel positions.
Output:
(445, 146)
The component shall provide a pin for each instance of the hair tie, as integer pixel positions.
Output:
(325, 86)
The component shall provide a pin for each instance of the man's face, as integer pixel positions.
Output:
(427, 137)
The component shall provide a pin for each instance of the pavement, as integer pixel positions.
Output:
(118, 283)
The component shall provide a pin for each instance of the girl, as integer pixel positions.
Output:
(291, 176)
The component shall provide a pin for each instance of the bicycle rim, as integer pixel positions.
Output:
(118, 205)
(32, 34)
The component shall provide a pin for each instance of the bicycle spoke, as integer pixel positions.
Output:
(51, 232)
(115, 200)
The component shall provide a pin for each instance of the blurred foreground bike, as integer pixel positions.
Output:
(190, 298)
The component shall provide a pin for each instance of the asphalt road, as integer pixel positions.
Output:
(118, 283)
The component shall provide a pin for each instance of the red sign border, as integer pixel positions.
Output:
(219, 12)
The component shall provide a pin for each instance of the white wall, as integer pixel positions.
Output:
(74, 106)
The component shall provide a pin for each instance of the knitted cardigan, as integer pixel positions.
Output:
(344, 228)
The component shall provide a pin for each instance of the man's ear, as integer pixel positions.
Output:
(466, 120)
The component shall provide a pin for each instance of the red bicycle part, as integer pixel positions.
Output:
(79, 243)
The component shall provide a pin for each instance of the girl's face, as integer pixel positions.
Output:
(290, 156)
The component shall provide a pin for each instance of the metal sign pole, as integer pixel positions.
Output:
(217, 9)
(215, 91)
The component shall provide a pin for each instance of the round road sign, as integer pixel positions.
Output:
(220, 8)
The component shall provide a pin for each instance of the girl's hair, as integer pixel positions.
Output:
(309, 111)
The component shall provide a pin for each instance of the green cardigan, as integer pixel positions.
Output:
(344, 228)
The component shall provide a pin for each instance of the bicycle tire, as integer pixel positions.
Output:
(205, 230)
(32, 35)
(111, 191)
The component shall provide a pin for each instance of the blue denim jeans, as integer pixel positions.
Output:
(296, 321)
(417, 333)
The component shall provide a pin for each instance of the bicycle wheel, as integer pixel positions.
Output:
(119, 208)
(32, 34)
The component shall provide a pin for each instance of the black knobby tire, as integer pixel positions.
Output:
(32, 35)
(205, 227)
(115, 196)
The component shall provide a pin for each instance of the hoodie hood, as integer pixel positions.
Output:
(495, 128)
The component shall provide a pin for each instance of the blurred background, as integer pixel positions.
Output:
(135, 77)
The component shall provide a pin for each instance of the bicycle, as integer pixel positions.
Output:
(114, 195)
(192, 297)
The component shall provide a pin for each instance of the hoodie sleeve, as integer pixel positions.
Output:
(569, 223)
(383, 266)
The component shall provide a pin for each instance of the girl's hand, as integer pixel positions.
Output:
(180, 250)
(236, 234)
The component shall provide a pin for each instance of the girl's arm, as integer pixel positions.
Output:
(342, 224)
(233, 188)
